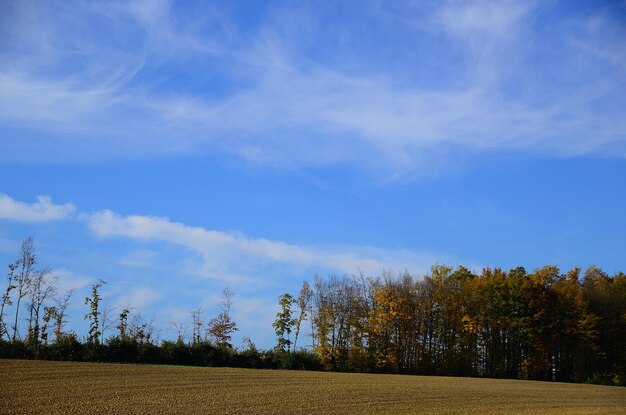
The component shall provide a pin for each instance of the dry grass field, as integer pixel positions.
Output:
(32, 387)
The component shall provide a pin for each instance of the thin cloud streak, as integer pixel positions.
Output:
(232, 252)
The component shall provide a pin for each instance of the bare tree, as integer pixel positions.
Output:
(181, 331)
(6, 298)
(41, 287)
(25, 267)
(106, 318)
(140, 329)
(60, 314)
(197, 325)
(302, 301)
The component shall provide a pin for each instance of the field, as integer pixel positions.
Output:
(32, 387)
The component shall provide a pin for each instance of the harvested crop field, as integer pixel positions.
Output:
(36, 387)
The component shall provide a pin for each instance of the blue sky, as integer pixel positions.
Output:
(177, 148)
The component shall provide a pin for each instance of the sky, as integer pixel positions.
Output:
(175, 149)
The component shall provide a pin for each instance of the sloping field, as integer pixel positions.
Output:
(31, 387)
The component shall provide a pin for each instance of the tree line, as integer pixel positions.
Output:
(541, 325)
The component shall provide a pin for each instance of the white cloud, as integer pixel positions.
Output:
(41, 211)
(227, 255)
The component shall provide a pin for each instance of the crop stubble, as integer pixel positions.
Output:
(35, 387)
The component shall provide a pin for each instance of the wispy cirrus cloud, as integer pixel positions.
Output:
(43, 210)
(496, 21)
(263, 94)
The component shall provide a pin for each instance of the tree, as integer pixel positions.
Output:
(25, 264)
(302, 301)
(197, 325)
(140, 329)
(284, 322)
(106, 318)
(48, 314)
(94, 314)
(181, 331)
(40, 288)
(6, 298)
(381, 326)
(334, 319)
(60, 314)
(222, 327)
(122, 327)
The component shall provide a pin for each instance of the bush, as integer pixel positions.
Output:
(299, 360)
(175, 353)
(127, 349)
(605, 379)
(66, 347)
(122, 349)
(15, 350)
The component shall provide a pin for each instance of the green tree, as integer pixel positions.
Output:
(122, 326)
(284, 322)
(48, 315)
(94, 314)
